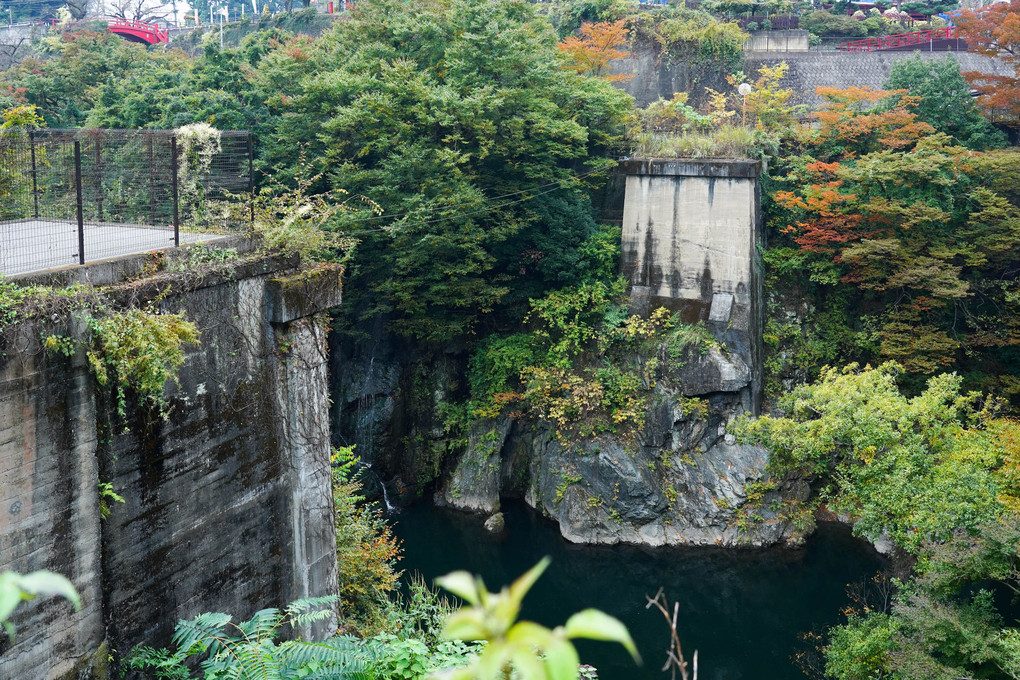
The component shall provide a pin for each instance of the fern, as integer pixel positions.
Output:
(263, 624)
(248, 650)
(310, 610)
(200, 633)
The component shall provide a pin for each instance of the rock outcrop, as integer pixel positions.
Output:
(679, 480)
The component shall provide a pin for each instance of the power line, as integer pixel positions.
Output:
(474, 212)
(481, 200)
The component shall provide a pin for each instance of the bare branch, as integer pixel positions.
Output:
(674, 655)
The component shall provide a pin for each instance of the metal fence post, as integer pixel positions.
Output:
(99, 175)
(173, 173)
(35, 185)
(251, 182)
(77, 188)
(152, 180)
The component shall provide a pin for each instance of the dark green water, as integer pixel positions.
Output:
(742, 610)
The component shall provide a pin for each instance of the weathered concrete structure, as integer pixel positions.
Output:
(690, 235)
(228, 500)
(794, 40)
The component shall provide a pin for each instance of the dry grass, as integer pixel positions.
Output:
(726, 141)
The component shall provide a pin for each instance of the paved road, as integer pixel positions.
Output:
(35, 245)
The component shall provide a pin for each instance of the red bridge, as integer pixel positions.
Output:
(936, 40)
(137, 31)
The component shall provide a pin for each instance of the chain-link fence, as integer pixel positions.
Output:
(75, 196)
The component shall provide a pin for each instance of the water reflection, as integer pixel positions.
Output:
(743, 610)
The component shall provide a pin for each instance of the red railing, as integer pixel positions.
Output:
(892, 42)
(156, 33)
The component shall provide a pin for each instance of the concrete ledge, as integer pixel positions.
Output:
(304, 294)
(691, 167)
(117, 269)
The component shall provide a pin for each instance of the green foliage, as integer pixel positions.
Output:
(945, 100)
(728, 141)
(694, 35)
(674, 128)
(250, 650)
(457, 120)
(496, 365)
(531, 651)
(16, 588)
(823, 23)
(861, 647)
(568, 15)
(420, 613)
(139, 349)
(560, 369)
(367, 551)
(909, 468)
(565, 481)
(12, 297)
(569, 319)
(106, 496)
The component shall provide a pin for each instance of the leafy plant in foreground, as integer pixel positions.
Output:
(16, 588)
(532, 651)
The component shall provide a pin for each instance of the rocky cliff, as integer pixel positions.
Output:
(678, 480)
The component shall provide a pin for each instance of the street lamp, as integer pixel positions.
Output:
(744, 89)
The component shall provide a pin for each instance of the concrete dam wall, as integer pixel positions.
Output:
(228, 503)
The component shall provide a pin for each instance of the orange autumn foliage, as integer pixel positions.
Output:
(995, 31)
(859, 120)
(596, 46)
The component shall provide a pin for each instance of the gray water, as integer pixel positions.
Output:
(745, 611)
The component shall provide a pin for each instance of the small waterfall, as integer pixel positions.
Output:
(390, 508)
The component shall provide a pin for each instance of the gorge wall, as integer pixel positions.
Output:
(228, 502)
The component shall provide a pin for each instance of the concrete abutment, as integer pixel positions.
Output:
(228, 502)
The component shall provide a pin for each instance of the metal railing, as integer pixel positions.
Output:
(900, 40)
(159, 34)
(74, 196)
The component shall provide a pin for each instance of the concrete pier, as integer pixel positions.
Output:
(691, 230)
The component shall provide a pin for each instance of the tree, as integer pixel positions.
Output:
(994, 30)
(925, 243)
(31, 11)
(935, 473)
(929, 7)
(909, 468)
(859, 120)
(456, 119)
(367, 551)
(944, 100)
(596, 46)
(64, 86)
(139, 10)
(905, 239)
